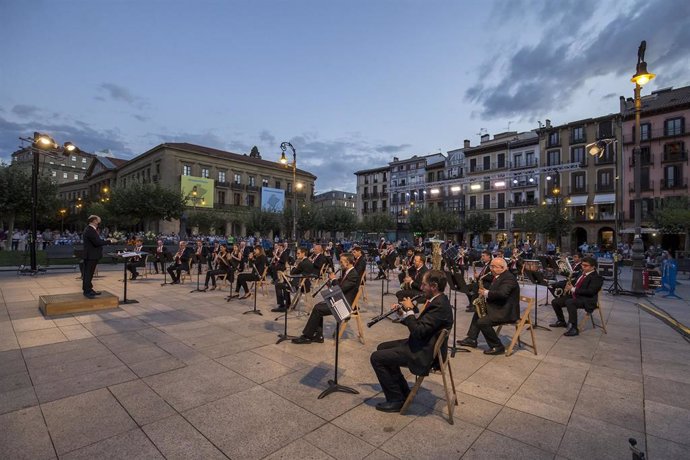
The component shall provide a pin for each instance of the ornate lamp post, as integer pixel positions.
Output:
(284, 161)
(63, 211)
(46, 144)
(641, 77)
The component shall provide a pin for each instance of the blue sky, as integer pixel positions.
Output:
(350, 83)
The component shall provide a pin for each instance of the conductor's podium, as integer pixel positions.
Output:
(63, 304)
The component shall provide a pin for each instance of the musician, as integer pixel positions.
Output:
(502, 306)
(212, 254)
(180, 262)
(93, 251)
(574, 275)
(318, 259)
(303, 266)
(221, 264)
(407, 268)
(387, 261)
(360, 262)
(584, 294)
(279, 262)
(349, 284)
(417, 351)
(515, 263)
(137, 261)
(484, 275)
(412, 285)
(160, 256)
(236, 258)
(257, 262)
(201, 254)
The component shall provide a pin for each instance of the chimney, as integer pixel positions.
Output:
(395, 159)
(466, 143)
(548, 123)
(622, 103)
(485, 138)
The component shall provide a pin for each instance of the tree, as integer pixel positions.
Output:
(15, 198)
(145, 203)
(478, 223)
(335, 219)
(433, 220)
(551, 221)
(377, 223)
(204, 220)
(674, 218)
(261, 222)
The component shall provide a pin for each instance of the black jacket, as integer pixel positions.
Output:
(361, 266)
(93, 244)
(503, 301)
(303, 267)
(588, 291)
(319, 262)
(349, 285)
(418, 277)
(424, 331)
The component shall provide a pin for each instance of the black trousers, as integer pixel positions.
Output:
(132, 266)
(387, 360)
(572, 305)
(175, 270)
(314, 325)
(89, 270)
(243, 279)
(157, 263)
(485, 326)
(211, 274)
(283, 295)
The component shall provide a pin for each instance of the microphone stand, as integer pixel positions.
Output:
(198, 275)
(256, 273)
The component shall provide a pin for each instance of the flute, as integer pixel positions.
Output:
(399, 306)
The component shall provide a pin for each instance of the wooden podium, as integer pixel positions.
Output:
(62, 304)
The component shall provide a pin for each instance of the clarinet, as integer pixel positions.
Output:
(398, 307)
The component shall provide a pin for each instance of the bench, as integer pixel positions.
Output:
(60, 252)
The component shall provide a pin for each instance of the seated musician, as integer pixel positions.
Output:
(257, 263)
(412, 285)
(221, 266)
(180, 262)
(318, 259)
(559, 286)
(502, 306)
(483, 275)
(349, 284)
(212, 254)
(360, 262)
(581, 295)
(138, 261)
(417, 351)
(303, 266)
(279, 261)
(407, 267)
(200, 254)
(160, 256)
(515, 263)
(387, 261)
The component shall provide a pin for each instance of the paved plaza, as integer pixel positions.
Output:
(188, 375)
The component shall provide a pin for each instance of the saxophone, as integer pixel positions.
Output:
(480, 302)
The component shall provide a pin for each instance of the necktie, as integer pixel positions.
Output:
(426, 304)
(580, 280)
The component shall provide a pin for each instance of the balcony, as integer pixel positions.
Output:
(523, 184)
(644, 186)
(230, 207)
(522, 203)
(604, 188)
(222, 184)
(518, 164)
(607, 216)
(578, 139)
(670, 157)
(252, 188)
(577, 190)
(236, 186)
(647, 160)
(672, 184)
(605, 160)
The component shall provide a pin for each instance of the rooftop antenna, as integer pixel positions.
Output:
(481, 132)
(508, 128)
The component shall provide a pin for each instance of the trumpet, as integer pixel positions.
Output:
(397, 308)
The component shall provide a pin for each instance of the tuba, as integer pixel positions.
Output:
(566, 269)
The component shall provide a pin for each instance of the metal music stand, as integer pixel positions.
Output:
(125, 256)
(255, 311)
(456, 282)
(295, 300)
(164, 256)
(341, 310)
(539, 268)
(199, 259)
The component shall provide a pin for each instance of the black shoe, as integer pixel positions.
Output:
(559, 323)
(394, 406)
(176, 282)
(134, 276)
(572, 331)
(468, 342)
(317, 339)
(95, 292)
(279, 309)
(302, 339)
(89, 295)
(495, 351)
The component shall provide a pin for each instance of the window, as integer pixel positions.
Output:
(578, 134)
(517, 160)
(674, 126)
(64, 175)
(373, 206)
(264, 182)
(605, 129)
(187, 170)
(473, 202)
(238, 178)
(83, 160)
(553, 158)
(501, 160)
(252, 181)
(578, 183)
(76, 177)
(221, 197)
(553, 139)
(221, 176)
(430, 177)
(577, 155)
(645, 131)
(529, 159)
(487, 163)
(672, 176)
(473, 165)
(289, 188)
(487, 201)
(74, 158)
(204, 172)
(237, 199)
(54, 173)
(277, 184)
(251, 200)
(500, 221)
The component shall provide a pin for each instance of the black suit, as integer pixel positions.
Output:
(93, 251)
(586, 297)
(502, 306)
(319, 261)
(416, 352)
(134, 262)
(175, 269)
(349, 284)
(160, 256)
(415, 286)
(257, 267)
(361, 266)
(304, 267)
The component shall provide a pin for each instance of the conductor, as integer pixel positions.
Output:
(417, 351)
(93, 251)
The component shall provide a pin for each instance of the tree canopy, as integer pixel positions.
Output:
(335, 219)
(478, 223)
(377, 223)
(144, 203)
(433, 220)
(550, 221)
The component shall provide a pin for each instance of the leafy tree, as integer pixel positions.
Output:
(261, 222)
(15, 198)
(336, 219)
(674, 218)
(478, 223)
(550, 221)
(204, 220)
(433, 220)
(145, 203)
(377, 223)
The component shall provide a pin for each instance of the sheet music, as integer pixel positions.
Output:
(130, 254)
(341, 309)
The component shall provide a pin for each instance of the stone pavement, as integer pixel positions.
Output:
(187, 375)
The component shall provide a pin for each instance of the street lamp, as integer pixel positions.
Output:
(284, 161)
(555, 193)
(641, 77)
(46, 144)
(63, 211)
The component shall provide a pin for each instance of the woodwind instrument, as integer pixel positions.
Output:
(178, 256)
(480, 302)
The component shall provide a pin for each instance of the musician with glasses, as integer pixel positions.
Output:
(180, 262)
(417, 351)
(583, 294)
(412, 285)
(559, 286)
(502, 297)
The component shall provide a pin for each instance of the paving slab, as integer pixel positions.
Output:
(586, 437)
(299, 449)
(535, 431)
(339, 443)
(176, 439)
(131, 445)
(492, 445)
(668, 422)
(254, 367)
(141, 402)
(24, 435)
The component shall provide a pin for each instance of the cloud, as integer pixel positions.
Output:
(121, 94)
(267, 137)
(540, 77)
(390, 149)
(25, 111)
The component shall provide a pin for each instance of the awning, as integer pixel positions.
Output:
(577, 200)
(605, 198)
(631, 230)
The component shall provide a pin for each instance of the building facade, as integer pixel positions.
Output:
(372, 191)
(336, 199)
(61, 166)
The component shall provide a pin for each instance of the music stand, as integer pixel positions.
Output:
(164, 256)
(341, 310)
(295, 300)
(255, 311)
(456, 282)
(535, 280)
(125, 256)
(198, 274)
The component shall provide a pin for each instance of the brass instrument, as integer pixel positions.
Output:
(480, 302)
(565, 267)
(397, 308)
